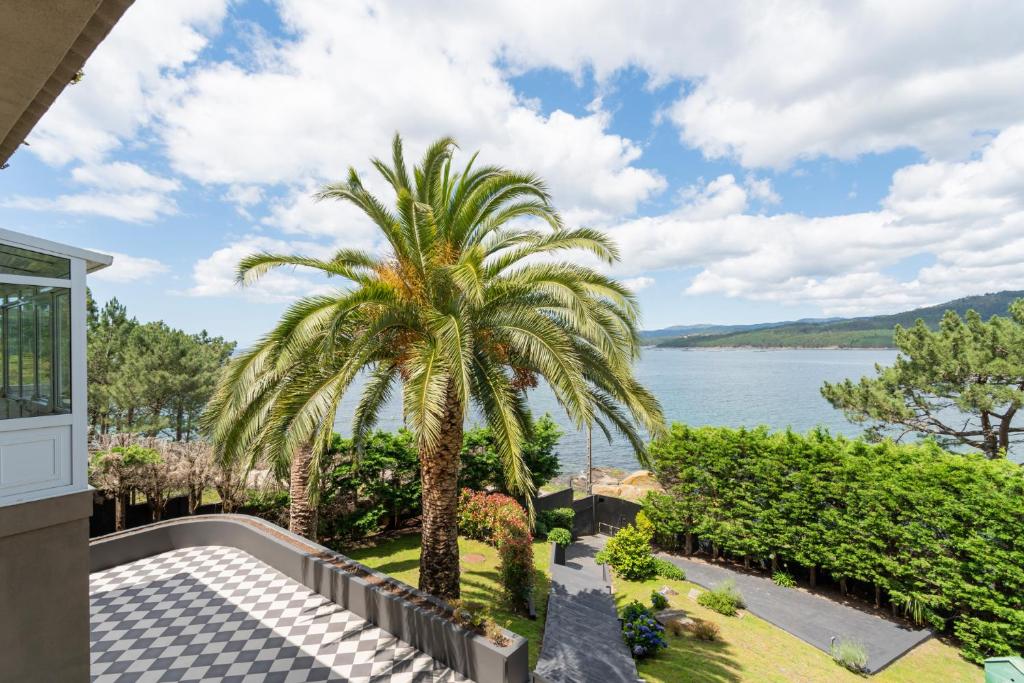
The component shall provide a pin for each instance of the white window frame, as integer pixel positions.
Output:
(78, 417)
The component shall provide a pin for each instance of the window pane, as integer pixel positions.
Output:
(37, 351)
(18, 261)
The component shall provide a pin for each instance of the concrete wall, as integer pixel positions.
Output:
(602, 514)
(550, 501)
(44, 589)
(372, 595)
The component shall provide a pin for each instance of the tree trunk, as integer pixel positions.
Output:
(813, 579)
(689, 543)
(439, 466)
(878, 596)
(1004, 429)
(775, 563)
(119, 513)
(300, 516)
(842, 586)
(179, 418)
(746, 561)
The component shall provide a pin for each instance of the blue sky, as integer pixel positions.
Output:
(753, 163)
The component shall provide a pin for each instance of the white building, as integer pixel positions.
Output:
(43, 425)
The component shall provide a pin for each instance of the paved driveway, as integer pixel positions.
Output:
(809, 617)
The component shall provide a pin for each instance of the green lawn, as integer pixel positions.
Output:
(751, 649)
(399, 558)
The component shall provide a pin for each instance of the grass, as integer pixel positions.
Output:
(399, 557)
(751, 649)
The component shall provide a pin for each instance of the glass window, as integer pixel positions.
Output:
(36, 326)
(18, 261)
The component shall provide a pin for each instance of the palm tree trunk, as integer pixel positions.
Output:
(300, 516)
(439, 554)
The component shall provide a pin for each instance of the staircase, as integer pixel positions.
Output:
(582, 635)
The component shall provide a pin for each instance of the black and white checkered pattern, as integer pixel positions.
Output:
(219, 614)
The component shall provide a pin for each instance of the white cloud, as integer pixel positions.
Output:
(122, 176)
(968, 216)
(638, 283)
(300, 116)
(216, 274)
(139, 207)
(125, 79)
(127, 268)
(761, 189)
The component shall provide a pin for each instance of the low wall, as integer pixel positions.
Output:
(380, 599)
(139, 514)
(550, 501)
(602, 514)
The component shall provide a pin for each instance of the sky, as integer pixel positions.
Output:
(753, 161)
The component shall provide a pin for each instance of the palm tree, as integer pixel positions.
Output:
(467, 307)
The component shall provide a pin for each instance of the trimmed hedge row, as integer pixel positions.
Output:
(938, 534)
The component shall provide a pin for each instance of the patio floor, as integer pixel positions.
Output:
(217, 613)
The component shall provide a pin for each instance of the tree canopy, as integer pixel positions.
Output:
(962, 383)
(468, 305)
(148, 377)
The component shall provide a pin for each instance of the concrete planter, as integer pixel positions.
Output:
(415, 617)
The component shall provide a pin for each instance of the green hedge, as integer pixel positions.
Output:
(940, 535)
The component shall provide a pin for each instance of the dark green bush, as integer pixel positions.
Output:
(559, 518)
(937, 533)
(667, 570)
(658, 601)
(560, 536)
(723, 603)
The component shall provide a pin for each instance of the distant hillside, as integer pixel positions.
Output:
(872, 331)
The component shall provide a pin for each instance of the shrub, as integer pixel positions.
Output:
(482, 467)
(724, 598)
(643, 634)
(916, 521)
(704, 630)
(667, 570)
(629, 554)
(728, 587)
(783, 579)
(502, 522)
(849, 653)
(560, 536)
(482, 514)
(516, 570)
(559, 518)
(717, 602)
(658, 601)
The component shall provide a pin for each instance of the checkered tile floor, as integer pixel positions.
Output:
(219, 614)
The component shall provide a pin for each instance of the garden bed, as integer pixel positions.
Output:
(749, 648)
(399, 557)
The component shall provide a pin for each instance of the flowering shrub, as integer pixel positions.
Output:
(481, 514)
(515, 549)
(643, 634)
(499, 520)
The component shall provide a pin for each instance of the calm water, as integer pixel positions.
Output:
(730, 387)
